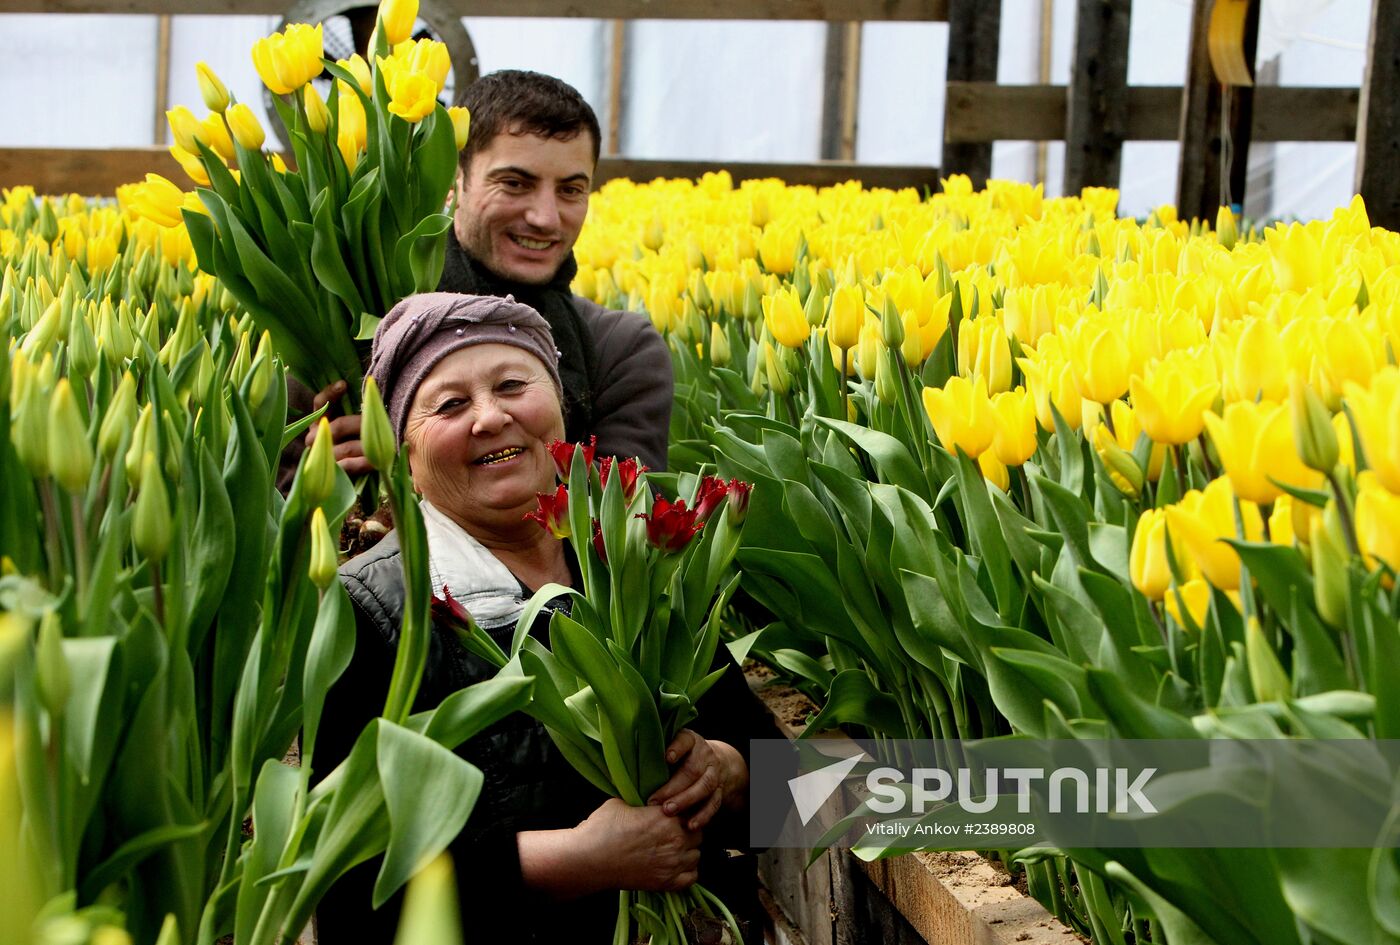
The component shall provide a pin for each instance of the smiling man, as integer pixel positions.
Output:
(522, 196)
(522, 192)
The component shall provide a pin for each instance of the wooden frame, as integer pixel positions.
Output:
(1094, 114)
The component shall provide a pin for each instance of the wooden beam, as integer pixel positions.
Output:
(1216, 121)
(831, 10)
(974, 42)
(98, 171)
(840, 92)
(983, 111)
(1096, 116)
(161, 126)
(617, 85)
(1378, 127)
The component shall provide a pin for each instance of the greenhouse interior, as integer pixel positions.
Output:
(808, 472)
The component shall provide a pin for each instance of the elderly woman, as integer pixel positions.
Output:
(470, 384)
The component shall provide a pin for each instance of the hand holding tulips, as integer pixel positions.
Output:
(708, 774)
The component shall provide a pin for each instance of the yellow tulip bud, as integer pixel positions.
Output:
(886, 382)
(120, 417)
(983, 352)
(719, 346)
(317, 475)
(431, 911)
(461, 124)
(869, 350)
(1098, 354)
(70, 453)
(244, 125)
(891, 326)
(847, 316)
(1330, 558)
(29, 430)
(211, 88)
(262, 372)
(1267, 676)
(1313, 432)
(962, 415)
(51, 666)
(993, 471)
(397, 18)
(376, 436)
(778, 377)
(1149, 561)
(323, 563)
(318, 116)
(1226, 230)
(143, 441)
(193, 166)
(1260, 364)
(82, 347)
(151, 529)
(1015, 439)
(45, 333)
(1123, 470)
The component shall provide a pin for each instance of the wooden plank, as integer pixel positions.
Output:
(1216, 121)
(617, 83)
(1096, 112)
(840, 91)
(1378, 128)
(983, 111)
(831, 10)
(974, 43)
(98, 171)
(160, 127)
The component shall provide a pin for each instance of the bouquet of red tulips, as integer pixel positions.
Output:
(626, 666)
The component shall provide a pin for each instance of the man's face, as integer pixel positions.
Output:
(522, 202)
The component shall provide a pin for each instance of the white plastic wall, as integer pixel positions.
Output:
(746, 90)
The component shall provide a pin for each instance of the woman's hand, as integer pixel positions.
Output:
(617, 847)
(708, 774)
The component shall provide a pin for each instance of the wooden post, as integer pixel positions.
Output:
(161, 128)
(617, 79)
(1215, 123)
(840, 91)
(974, 41)
(1378, 119)
(1096, 114)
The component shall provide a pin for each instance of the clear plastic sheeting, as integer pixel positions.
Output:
(745, 90)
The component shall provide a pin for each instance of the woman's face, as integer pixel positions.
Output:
(477, 432)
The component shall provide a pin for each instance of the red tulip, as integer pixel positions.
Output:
(563, 453)
(708, 497)
(629, 469)
(738, 500)
(446, 610)
(598, 545)
(670, 527)
(553, 511)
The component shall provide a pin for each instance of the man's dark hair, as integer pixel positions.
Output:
(513, 101)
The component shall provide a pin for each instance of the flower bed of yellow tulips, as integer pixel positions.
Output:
(1023, 466)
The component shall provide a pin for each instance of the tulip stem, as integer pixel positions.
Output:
(1108, 420)
(1205, 457)
(1344, 513)
(1179, 461)
(158, 595)
(80, 552)
(51, 534)
(845, 385)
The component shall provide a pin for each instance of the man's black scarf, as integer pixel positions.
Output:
(555, 301)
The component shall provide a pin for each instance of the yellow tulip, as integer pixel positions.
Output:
(358, 68)
(778, 248)
(70, 453)
(1195, 593)
(994, 471)
(775, 370)
(1052, 382)
(962, 415)
(1029, 312)
(782, 312)
(427, 56)
(398, 17)
(186, 128)
(192, 166)
(461, 124)
(846, 317)
(1099, 357)
(1377, 415)
(412, 95)
(1259, 366)
(1296, 256)
(211, 88)
(1255, 442)
(1377, 521)
(318, 116)
(1015, 439)
(983, 352)
(1149, 559)
(159, 200)
(288, 60)
(244, 125)
(1170, 399)
(719, 346)
(868, 350)
(216, 136)
(278, 165)
(1202, 519)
